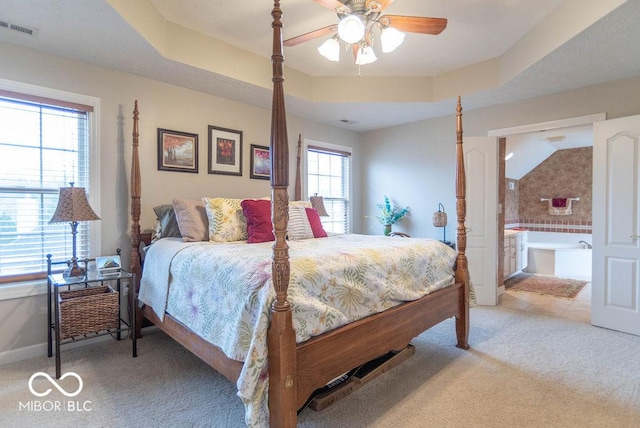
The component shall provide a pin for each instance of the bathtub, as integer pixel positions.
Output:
(559, 254)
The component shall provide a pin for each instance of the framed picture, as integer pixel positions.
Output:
(225, 151)
(260, 162)
(108, 264)
(177, 151)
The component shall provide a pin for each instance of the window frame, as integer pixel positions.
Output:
(330, 147)
(93, 188)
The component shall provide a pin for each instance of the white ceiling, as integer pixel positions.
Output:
(491, 25)
(478, 31)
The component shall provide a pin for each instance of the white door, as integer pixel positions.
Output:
(615, 300)
(481, 167)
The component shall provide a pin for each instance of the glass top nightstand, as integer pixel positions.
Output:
(90, 276)
(87, 306)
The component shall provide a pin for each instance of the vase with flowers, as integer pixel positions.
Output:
(390, 214)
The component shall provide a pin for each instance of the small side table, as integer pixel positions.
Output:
(449, 243)
(90, 280)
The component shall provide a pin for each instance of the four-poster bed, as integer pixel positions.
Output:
(295, 370)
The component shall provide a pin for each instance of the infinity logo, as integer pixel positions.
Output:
(54, 383)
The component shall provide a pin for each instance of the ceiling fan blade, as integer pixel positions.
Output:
(417, 24)
(377, 5)
(332, 4)
(324, 31)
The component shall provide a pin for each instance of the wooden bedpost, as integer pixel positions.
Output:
(281, 337)
(136, 186)
(298, 188)
(462, 267)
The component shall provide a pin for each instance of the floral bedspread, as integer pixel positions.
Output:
(223, 293)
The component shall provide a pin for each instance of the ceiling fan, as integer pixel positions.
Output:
(357, 20)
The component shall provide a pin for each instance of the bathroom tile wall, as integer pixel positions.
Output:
(565, 174)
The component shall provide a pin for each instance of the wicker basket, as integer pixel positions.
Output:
(88, 310)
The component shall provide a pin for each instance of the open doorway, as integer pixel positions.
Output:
(542, 165)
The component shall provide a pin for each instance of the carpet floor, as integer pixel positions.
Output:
(545, 284)
(523, 370)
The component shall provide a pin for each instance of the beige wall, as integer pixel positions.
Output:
(161, 106)
(414, 163)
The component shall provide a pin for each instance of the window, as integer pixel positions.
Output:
(328, 175)
(45, 145)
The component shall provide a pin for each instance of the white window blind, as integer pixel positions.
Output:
(328, 175)
(44, 146)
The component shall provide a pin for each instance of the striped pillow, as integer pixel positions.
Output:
(299, 226)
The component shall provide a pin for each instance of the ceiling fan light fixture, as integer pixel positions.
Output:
(390, 39)
(351, 29)
(366, 56)
(330, 49)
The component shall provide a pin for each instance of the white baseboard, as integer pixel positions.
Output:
(40, 350)
(15, 355)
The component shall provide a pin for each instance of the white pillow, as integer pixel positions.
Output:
(299, 226)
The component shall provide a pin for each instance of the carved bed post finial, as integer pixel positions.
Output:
(281, 336)
(462, 268)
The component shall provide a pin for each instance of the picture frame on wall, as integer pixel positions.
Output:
(177, 151)
(225, 151)
(260, 162)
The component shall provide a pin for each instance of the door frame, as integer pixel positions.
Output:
(525, 129)
(546, 126)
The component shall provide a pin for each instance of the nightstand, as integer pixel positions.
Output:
(449, 243)
(87, 306)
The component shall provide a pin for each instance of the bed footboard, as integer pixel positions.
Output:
(331, 354)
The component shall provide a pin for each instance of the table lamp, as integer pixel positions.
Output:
(73, 207)
(440, 220)
(317, 202)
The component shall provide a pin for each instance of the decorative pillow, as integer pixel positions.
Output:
(192, 219)
(167, 222)
(299, 227)
(156, 231)
(227, 223)
(315, 223)
(258, 215)
(306, 204)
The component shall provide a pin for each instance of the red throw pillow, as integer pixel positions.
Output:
(316, 224)
(258, 215)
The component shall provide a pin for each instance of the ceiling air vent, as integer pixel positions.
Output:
(19, 28)
(556, 138)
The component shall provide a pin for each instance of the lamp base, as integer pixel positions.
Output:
(74, 270)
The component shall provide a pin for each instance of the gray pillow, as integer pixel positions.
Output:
(168, 222)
